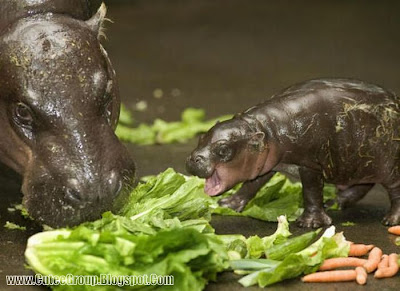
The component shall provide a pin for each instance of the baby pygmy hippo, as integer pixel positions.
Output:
(339, 131)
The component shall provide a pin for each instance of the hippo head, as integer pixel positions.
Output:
(230, 152)
(59, 106)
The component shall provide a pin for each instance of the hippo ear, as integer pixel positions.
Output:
(96, 21)
(257, 141)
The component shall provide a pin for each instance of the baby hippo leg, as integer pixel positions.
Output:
(351, 195)
(248, 190)
(393, 216)
(314, 214)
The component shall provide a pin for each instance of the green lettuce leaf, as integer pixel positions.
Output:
(257, 246)
(239, 247)
(166, 196)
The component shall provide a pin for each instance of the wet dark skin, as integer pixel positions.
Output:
(338, 131)
(59, 106)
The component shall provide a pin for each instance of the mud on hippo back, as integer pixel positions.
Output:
(341, 131)
(59, 106)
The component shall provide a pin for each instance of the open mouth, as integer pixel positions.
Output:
(213, 185)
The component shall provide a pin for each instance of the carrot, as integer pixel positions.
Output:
(362, 275)
(358, 250)
(384, 263)
(331, 276)
(373, 260)
(334, 263)
(394, 230)
(388, 271)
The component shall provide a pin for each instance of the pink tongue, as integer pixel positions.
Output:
(212, 186)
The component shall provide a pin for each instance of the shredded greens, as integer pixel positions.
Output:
(13, 226)
(162, 132)
(21, 209)
(348, 223)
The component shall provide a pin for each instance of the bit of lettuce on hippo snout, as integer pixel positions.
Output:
(20, 210)
(192, 123)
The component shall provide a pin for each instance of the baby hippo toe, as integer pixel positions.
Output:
(234, 202)
(314, 219)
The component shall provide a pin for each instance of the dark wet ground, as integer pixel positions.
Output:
(225, 56)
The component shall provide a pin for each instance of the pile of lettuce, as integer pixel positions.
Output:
(162, 132)
(164, 229)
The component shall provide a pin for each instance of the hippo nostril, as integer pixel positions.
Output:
(114, 183)
(73, 195)
(198, 159)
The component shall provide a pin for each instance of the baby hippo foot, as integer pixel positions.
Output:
(314, 219)
(234, 202)
(392, 218)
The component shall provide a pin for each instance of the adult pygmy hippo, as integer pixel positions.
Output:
(59, 106)
(339, 131)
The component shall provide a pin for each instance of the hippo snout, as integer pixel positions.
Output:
(77, 194)
(197, 164)
(70, 182)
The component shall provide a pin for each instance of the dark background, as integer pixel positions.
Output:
(225, 56)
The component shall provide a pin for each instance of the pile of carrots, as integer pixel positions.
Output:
(385, 265)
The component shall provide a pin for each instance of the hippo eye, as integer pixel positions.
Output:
(224, 152)
(23, 114)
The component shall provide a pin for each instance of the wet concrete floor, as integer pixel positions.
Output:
(225, 56)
